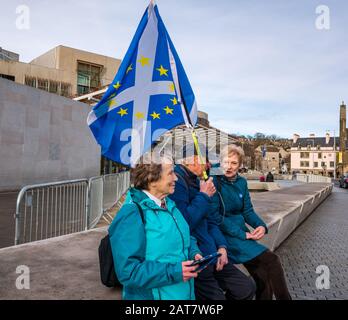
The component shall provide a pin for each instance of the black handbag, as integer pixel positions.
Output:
(106, 262)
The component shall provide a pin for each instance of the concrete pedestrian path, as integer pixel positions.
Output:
(321, 240)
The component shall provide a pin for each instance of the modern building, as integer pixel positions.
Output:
(62, 70)
(314, 155)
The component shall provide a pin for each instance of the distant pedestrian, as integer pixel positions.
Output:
(270, 177)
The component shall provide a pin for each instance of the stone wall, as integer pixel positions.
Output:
(43, 137)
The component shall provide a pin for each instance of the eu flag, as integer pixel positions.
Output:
(150, 95)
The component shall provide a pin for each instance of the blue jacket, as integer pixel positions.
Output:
(197, 210)
(148, 257)
(238, 211)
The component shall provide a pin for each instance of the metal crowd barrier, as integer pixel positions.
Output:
(53, 209)
(312, 178)
(50, 209)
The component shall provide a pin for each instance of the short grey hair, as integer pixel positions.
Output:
(231, 149)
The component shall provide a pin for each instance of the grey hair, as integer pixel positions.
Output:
(232, 149)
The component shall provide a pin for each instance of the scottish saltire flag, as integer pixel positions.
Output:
(147, 97)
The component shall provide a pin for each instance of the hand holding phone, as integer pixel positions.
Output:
(205, 261)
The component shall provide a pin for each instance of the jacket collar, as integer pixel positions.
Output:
(226, 180)
(140, 197)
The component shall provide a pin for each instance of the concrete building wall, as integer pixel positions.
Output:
(60, 64)
(43, 137)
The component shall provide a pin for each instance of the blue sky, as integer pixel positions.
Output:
(255, 65)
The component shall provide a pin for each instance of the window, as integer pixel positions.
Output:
(323, 164)
(30, 81)
(88, 77)
(65, 89)
(319, 155)
(315, 164)
(42, 84)
(54, 85)
(304, 164)
(7, 76)
(318, 147)
(304, 155)
(332, 164)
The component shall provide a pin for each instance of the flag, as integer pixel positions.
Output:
(150, 95)
(263, 150)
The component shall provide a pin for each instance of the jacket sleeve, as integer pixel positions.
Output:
(214, 220)
(193, 249)
(193, 211)
(127, 237)
(250, 216)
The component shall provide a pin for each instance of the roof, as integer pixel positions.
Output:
(317, 141)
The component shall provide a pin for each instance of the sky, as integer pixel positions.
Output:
(255, 65)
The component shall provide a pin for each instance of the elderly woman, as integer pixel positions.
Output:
(236, 210)
(152, 258)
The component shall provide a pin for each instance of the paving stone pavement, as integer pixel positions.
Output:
(322, 239)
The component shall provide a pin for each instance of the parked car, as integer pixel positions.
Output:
(344, 181)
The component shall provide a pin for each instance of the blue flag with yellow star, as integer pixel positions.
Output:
(150, 95)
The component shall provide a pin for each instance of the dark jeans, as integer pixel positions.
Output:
(268, 273)
(228, 284)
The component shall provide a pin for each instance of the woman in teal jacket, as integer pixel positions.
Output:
(234, 205)
(152, 259)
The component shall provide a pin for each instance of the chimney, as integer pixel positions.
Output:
(312, 135)
(295, 137)
(327, 137)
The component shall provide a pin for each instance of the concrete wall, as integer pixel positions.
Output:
(43, 137)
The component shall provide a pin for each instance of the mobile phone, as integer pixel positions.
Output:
(205, 261)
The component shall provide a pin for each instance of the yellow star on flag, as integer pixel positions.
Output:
(129, 68)
(139, 115)
(174, 101)
(171, 87)
(168, 110)
(162, 71)
(122, 112)
(144, 61)
(117, 85)
(155, 115)
(112, 103)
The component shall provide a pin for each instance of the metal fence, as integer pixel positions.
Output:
(53, 209)
(312, 178)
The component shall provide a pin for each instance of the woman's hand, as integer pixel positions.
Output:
(257, 234)
(222, 260)
(187, 271)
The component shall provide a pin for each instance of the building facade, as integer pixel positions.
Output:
(314, 155)
(62, 70)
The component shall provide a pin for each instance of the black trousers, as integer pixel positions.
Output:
(268, 273)
(228, 284)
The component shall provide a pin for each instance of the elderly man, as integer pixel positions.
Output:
(152, 258)
(194, 199)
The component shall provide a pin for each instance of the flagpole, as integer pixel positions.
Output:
(195, 139)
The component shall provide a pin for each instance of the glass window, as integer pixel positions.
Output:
(65, 89)
(30, 81)
(319, 155)
(42, 84)
(88, 77)
(315, 164)
(54, 85)
(332, 164)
